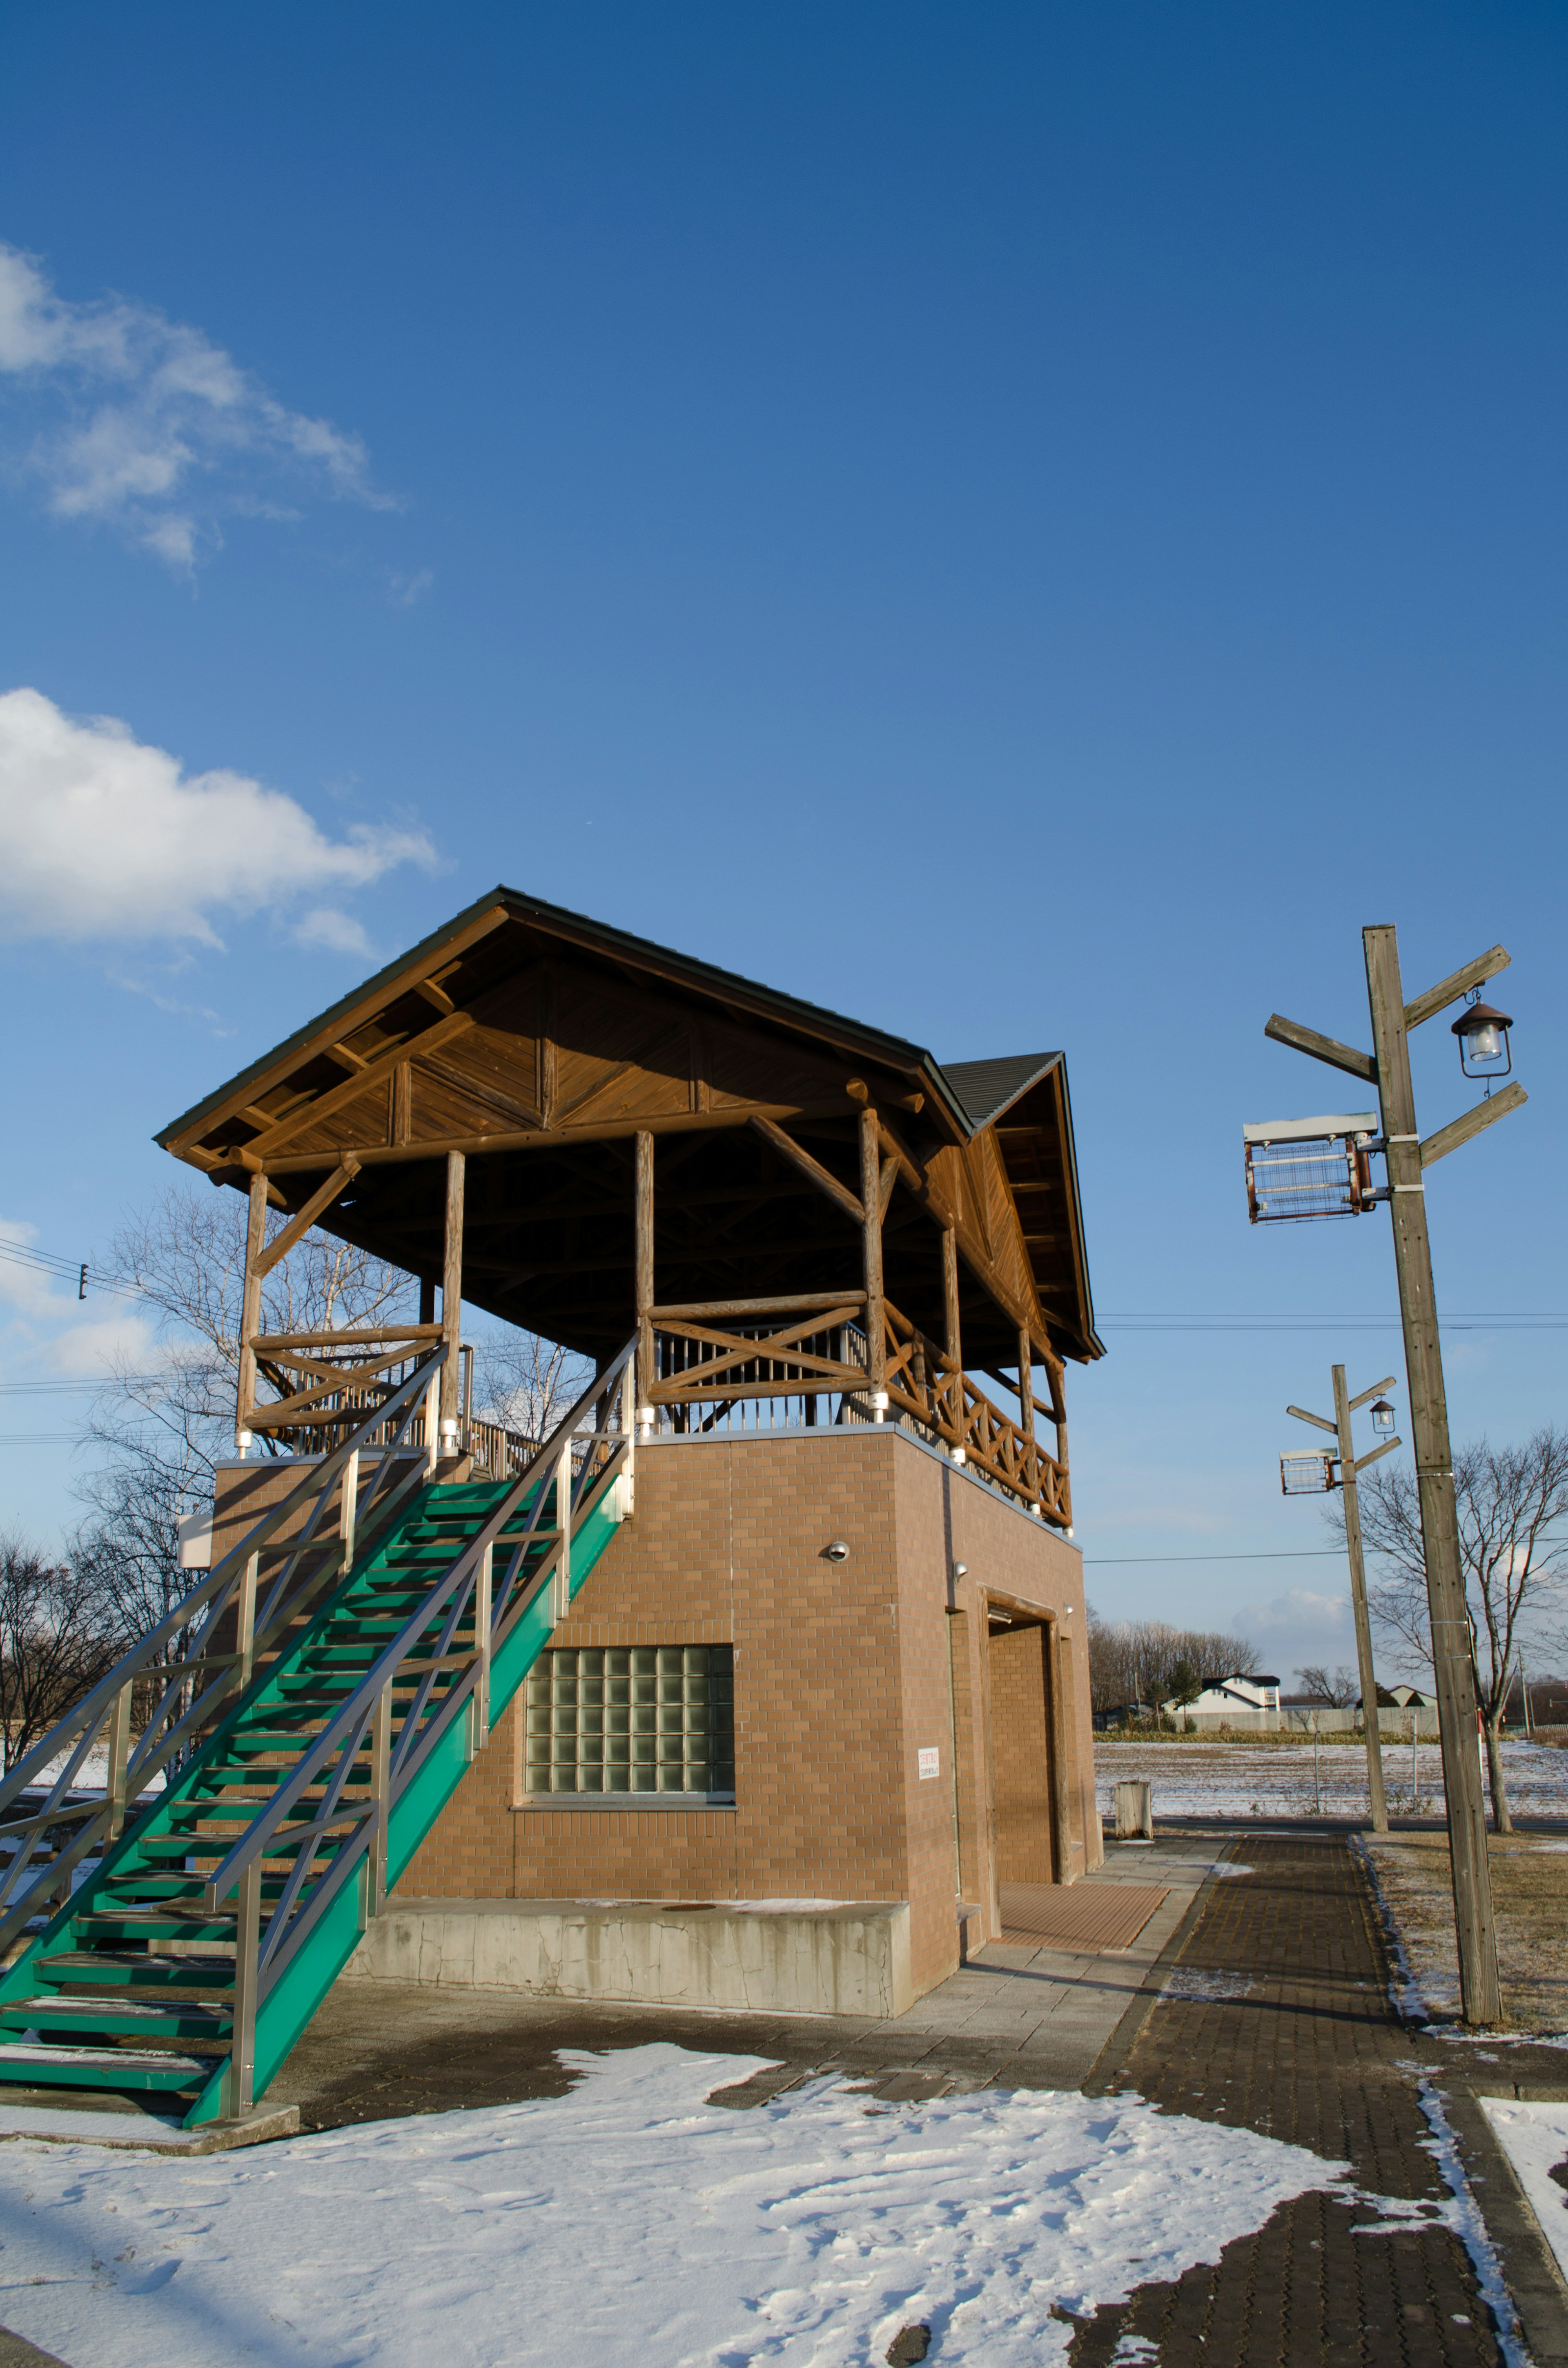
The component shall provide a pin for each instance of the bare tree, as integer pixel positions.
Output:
(526, 1384)
(1511, 1501)
(1137, 1660)
(161, 1433)
(55, 1644)
(1338, 1691)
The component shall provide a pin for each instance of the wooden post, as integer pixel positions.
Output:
(452, 1286)
(644, 1264)
(872, 1247)
(250, 1303)
(1358, 1604)
(1435, 1480)
(1026, 1408)
(954, 1343)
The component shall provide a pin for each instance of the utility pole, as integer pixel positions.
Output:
(1345, 1406)
(1406, 1155)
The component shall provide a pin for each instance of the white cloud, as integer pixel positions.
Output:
(146, 426)
(104, 838)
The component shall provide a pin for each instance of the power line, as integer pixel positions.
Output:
(1303, 1553)
(38, 1439)
(65, 1388)
(78, 1271)
(1302, 1320)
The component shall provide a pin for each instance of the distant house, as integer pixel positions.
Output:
(1400, 1698)
(1243, 1694)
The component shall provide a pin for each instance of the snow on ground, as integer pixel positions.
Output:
(629, 2221)
(1278, 1780)
(1535, 2139)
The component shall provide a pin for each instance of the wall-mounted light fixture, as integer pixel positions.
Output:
(961, 1570)
(836, 1550)
(241, 1442)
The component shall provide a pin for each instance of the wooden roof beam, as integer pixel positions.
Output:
(441, 964)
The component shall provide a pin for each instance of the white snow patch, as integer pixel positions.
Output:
(1205, 1778)
(1535, 2139)
(632, 2221)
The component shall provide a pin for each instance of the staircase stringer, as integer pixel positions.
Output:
(316, 1960)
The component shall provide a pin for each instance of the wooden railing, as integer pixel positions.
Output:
(704, 1367)
(925, 1383)
(328, 1382)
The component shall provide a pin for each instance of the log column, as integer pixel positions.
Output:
(645, 1374)
(452, 1286)
(954, 1377)
(1025, 1396)
(871, 1242)
(250, 1303)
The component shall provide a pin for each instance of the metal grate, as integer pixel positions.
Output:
(1324, 1177)
(632, 1719)
(1305, 1473)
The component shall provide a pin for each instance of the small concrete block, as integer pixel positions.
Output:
(143, 2133)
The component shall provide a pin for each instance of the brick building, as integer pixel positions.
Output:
(833, 1653)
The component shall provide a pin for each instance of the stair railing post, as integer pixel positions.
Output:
(482, 1600)
(380, 1792)
(245, 1621)
(119, 1757)
(349, 1508)
(239, 2088)
(432, 1424)
(561, 1583)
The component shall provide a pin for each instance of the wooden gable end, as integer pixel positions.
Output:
(553, 1050)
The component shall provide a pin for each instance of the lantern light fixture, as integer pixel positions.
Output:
(1483, 1032)
(1383, 1418)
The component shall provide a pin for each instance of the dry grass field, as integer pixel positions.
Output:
(1529, 1892)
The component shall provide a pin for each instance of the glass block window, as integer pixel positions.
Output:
(634, 1718)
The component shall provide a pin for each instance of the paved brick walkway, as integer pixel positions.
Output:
(1306, 2047)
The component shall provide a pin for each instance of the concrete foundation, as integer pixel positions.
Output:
(851, 1959)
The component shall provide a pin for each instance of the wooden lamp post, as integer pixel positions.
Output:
(1407, 1155)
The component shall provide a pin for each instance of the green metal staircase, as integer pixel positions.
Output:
(304, 1765)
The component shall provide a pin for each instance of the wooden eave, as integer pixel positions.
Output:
(545, 1041)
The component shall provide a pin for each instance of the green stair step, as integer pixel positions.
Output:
(115, 2068)
(110, 1972)
(146, 2022)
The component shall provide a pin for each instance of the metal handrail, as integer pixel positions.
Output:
(354, 1715)
(109, 1700)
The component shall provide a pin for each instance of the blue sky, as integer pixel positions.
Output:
(1027, 525)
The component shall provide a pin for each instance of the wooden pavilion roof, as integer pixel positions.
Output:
(540, 1043)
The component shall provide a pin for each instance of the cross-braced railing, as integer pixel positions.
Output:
(708, 1366)
(328, 1824)
(925, 1383)
(231, 1608)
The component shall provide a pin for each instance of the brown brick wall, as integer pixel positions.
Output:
(841, 1679)
(1019, 1741)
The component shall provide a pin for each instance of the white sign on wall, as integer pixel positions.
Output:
(930, 1762)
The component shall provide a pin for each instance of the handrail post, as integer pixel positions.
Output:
(380, 1790)
(245, 1621)
(484, 1577)
(119, 1755)
(348, 1510)
(560, 1586)
(432, 1422)
(238, 2087)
